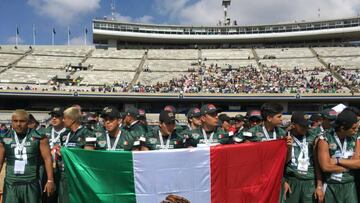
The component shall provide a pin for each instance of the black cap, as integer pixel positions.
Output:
(254, 114)
(329, 114)
(346, 118)
(111, 112)
(57, 111)
(208, 108)
(239, 117)
(315, 117)
(132, 111)
(224, 117)
(167, 117)
(89, 117)
(170, 108)
(300, 119)
(122, 115)
(193, 112)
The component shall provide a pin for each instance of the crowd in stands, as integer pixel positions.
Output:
(350, 75)
(213, 79)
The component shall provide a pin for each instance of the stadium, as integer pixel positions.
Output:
(309, 63)
(306, 66)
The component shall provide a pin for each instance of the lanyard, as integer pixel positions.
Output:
(321, 129)
(68, 135)
(210, 140)
(162, 141)
(54, 139)
(109, 147)
(342, 147)
(267, 134)
(304, 149)
(240, 129)
(19, 145)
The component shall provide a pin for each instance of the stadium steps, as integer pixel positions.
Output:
(138, 72)
(13, 64)
(332, 71)
(88, 55)
(257, 59)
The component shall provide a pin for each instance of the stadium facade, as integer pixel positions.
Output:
(113, 34)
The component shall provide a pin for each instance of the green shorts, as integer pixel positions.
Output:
(302, 191)
(22, 193)
(341, 193)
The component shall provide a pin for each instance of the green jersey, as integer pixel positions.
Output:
(218, 136)
(136, 130)
(301, 165)
(258, 133)
(22, 155)
(55, 136)
(343, 150)
(122, 141)
(156, 141)
(76, 139)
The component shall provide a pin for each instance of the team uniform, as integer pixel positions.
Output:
(300, 172)
(123, 141)
(156, 141)
(22, 170)
(340, 187)
(75, 139)
(135, 130)
(357, 173)
(54, 142)
(259, 133)
(199, 137)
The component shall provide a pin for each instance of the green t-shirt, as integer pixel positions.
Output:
(124, 142)
(136, 130)
(178, 139)
(218, 136)
(50, 133)
(296, 169)
(76, 139)
(257, 134)
(335, 151)
(29, 154)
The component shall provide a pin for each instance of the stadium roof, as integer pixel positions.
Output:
(347, 29)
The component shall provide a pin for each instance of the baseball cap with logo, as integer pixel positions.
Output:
(57, 111)
(315, 117)
(208, 109)
(239, 117)
(224, 117)
(329, 114)
(193, 112)
(167, 117)
(300, 119)
(111, 112)
(132, 111)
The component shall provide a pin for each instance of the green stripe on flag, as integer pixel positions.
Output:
(99, 176)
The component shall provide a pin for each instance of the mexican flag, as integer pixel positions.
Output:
(249, 172)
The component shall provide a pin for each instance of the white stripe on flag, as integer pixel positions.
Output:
(183, 172)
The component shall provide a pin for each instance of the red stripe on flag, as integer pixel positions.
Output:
(249, 172)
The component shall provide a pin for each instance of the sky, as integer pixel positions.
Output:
(76, 15)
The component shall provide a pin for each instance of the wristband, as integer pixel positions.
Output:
(337, 160)
(50, 181)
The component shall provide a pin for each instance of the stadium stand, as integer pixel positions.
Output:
(260, 70)
(176, 54)
(123, 53)
(110, 64)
